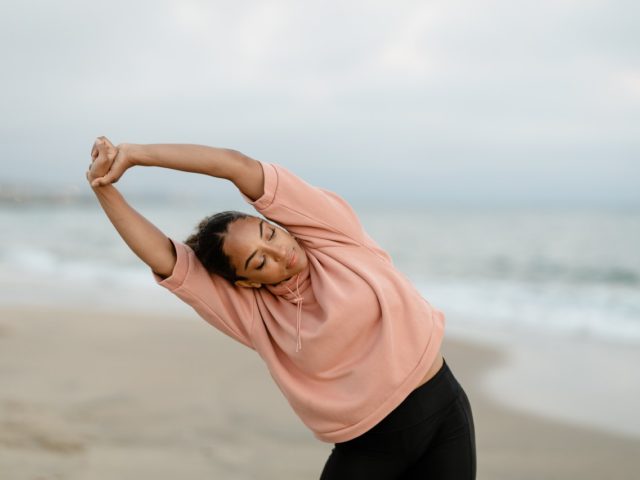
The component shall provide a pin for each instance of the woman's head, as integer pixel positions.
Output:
(247, 250)
(208, 241)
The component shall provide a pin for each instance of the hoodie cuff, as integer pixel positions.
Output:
(270, 187)
(180, 269)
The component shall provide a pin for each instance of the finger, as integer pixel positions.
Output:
(112, 152)
(106, 142)
(94, 149)
(102, 152)
(110, 177)
(97, 147)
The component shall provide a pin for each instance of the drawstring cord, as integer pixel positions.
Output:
(298, 301)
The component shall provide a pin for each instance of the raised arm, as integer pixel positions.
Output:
(245, 172)
(145, 239)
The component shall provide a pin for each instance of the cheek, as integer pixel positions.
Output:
(274, 269)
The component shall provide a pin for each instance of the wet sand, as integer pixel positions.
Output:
(96, 396)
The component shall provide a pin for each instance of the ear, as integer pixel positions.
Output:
(248, 284)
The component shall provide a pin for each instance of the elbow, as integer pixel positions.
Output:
(249, 178)
(165, 269)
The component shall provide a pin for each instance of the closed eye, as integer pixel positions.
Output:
(264, 259)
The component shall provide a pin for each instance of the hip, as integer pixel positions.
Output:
(435, 367)
(430, 434)
(428, 401)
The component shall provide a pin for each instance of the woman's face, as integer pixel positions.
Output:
(261, 252)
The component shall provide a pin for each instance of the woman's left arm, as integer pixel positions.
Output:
(245, 172)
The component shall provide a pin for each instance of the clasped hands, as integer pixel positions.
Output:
(108, 163)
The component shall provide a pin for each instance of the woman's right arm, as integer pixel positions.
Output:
(145, 239)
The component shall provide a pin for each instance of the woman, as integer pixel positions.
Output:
(349, 341)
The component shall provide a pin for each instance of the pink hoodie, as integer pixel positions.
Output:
(348, 338)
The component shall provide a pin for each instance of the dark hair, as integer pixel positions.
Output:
(208, 240)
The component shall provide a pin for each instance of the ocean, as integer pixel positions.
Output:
(561, 272)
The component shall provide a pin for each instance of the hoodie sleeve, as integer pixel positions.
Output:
(313, 214)
(228, 308)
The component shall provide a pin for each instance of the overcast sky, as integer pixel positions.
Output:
(456, 101)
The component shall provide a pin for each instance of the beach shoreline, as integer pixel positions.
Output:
(109, 395)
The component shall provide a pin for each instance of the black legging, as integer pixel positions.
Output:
(430, 435)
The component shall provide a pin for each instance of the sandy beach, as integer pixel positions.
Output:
(102, 395)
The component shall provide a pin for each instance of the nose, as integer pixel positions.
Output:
(278, 252)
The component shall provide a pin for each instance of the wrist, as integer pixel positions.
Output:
(135, 154)
(102, 189)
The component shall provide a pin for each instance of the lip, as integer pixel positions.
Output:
(292, 260)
